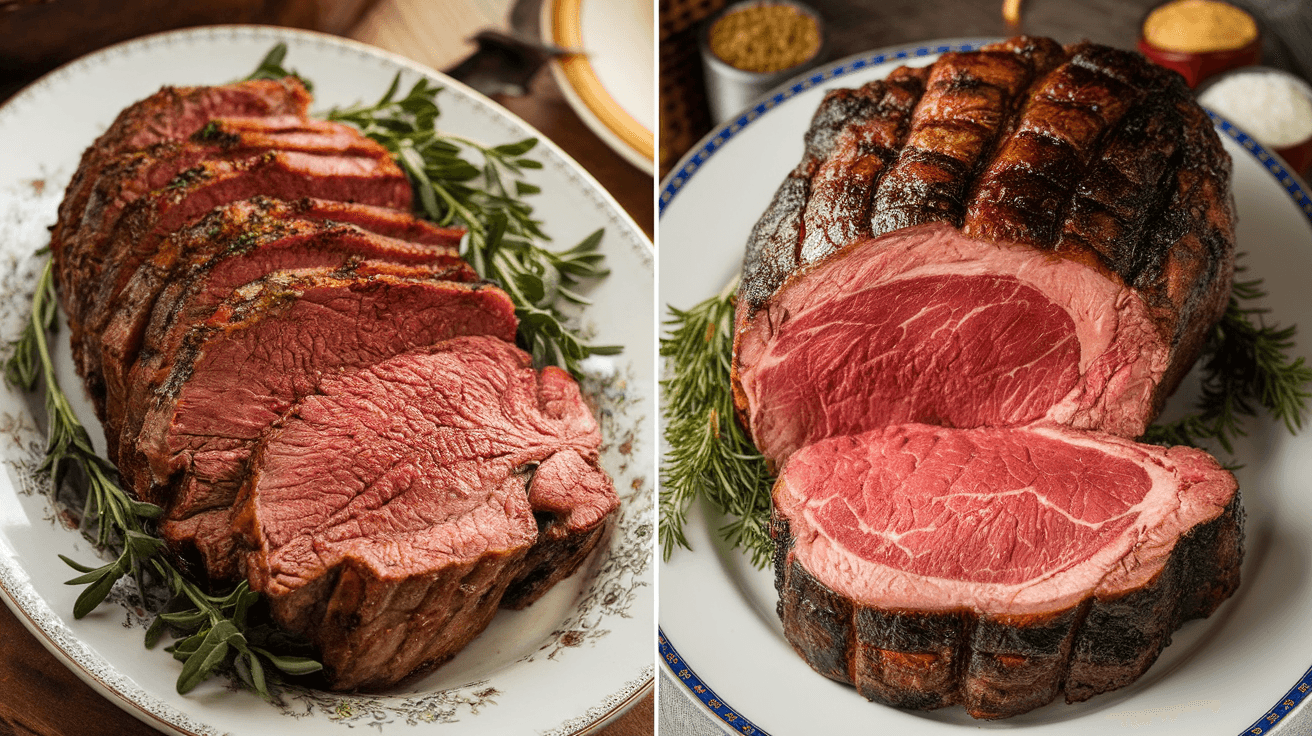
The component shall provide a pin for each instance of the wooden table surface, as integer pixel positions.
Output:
(39, 696)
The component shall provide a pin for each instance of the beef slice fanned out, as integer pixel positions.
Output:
(208, 387)
(1053, 249)
(231, 246)
(172, 114)
(997, 568)
(132, 235)
(393, 565)
(130, 176)
(152, 218)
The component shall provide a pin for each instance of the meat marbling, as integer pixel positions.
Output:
(997, 568)
(1026, 247)
(397, 564)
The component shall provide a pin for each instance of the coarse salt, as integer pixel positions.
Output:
(1273, 108)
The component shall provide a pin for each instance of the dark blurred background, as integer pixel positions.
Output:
(856, 27)
(38, 35)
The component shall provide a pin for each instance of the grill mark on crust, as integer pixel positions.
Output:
(1024, 193)
(838, 211)
(966, 101)
(774, 248)
(1128, 186)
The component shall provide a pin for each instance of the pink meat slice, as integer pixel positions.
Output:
(451, 451)
(928, 326)
(1015, 522)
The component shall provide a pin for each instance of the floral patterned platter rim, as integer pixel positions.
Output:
(1242, 671)
(564, 666)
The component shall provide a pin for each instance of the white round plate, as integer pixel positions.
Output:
(563, 666)
(1240, 671)
(609, 84)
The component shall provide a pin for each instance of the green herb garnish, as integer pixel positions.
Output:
(221, 637)
(709, 455)
(505, 241)
(271, 67)
(1246, 367)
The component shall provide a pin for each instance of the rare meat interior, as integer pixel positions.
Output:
(976, 288)
(928, 325)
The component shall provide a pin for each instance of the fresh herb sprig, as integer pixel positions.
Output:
(709, 454)
(505, 242)
(1246, 368)
(271, 67)
(221, 637)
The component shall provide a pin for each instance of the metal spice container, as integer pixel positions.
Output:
(730, 89)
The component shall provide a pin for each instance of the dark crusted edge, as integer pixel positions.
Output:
(997, 666)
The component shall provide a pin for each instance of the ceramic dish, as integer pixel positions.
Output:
(1240, 671)
(609, 84)
(564, 665)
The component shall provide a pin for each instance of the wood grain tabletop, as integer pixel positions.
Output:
(39, 695)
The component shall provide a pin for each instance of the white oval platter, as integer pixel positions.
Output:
(565, 665)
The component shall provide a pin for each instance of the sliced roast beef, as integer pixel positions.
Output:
(131, 176)
(201, 264)
(1076, 198)
(233, 226)
(997, 568)
(203, 390)
(225, 136)
(172, 114)
(393, 567)
(283, 174)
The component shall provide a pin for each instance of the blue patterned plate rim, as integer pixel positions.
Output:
(1293, 185)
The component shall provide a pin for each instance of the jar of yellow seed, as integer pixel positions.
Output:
(751, 47)
(1200, 38)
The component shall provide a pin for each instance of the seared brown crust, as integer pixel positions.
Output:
(996, 667)
(555, 555)
(865, 126)
(1088, 152)
(969, 98)
(838, 210)
(172, 113)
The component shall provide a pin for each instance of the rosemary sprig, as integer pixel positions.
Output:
(709, 454)
(1246, 367)
(221, 637)
(505, 242)
(271, 67)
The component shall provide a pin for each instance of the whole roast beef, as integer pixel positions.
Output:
(997, 568)
(1025, 247)
(1017, 233)
(453, 450)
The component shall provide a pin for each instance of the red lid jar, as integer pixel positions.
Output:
(1200, 38)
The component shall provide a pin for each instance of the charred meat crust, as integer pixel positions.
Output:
(1103, 159)
(995, 667)
(1086, 163)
